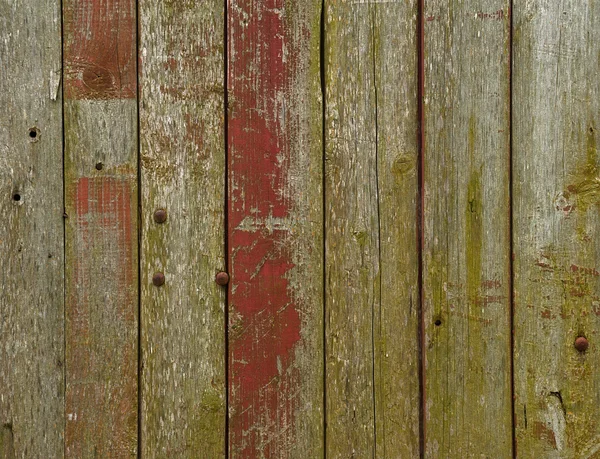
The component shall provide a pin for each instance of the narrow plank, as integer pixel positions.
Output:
(466, 229)
(557, 252)
(372, 293)
(275, 229)
(397, 317)
(182, 140)
(100, 121)
(31, 231)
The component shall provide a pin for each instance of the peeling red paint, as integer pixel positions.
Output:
(98, 399)
(100, 49)
(264, 319)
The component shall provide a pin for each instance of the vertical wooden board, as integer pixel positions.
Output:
(31, 231)
(396, 319)
(466, 229)
(275, 229)
(182, 139)
(556, 216)
(372, 298)
(100, 118)
(351, 229)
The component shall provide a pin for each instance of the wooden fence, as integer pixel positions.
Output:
(405, 195)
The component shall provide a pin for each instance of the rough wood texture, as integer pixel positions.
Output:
(556, 219)
(275, 229)
(183, 172)
(466, 239)
(31, 231)
(371, 229)
(101, 238)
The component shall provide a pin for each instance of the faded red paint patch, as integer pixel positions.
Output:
(264, 318)
(101, 347)
(100, 49)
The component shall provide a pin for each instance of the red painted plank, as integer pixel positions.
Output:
(100, 126)
(100, 53)
(268, 45)
(101, 399)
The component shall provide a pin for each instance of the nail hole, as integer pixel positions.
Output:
(33, 134)
(16, 197)
(99, 166)
(438, 322)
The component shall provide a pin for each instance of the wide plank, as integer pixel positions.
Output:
(556, 118)
(31, 231)
(182, 141)
(466, 229)
(275, 223)
(372, 258)
(100, 160)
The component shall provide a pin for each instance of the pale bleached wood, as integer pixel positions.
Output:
(31, 231)
(275, 229)
(101, 269)
(183, 172)
(556, 218)
(372, 295)
(466, 239)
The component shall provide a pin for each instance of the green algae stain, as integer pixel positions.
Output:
(473, 223)
(585, 187)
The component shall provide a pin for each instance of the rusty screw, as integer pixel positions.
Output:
(581, 344)
(222, 278)
(158, 279)
(160, 216)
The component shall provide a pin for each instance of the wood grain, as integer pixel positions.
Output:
(100, 122)
(557, 251)
(31, 231)
(371, 229)
(182, 140)
(275, 229)
(466, 232)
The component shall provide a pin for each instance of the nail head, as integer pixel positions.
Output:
(581, 344)
(160, 216)
(158, 279)
(222, 278)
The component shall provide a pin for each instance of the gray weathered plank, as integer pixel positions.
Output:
(556, 218)
(466, 229)
(275, 229)
(182, 139)
(100, 122)
(372, 301)
(396, 318)
(31, 231)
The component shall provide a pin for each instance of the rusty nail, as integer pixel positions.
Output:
(222, 278)
(160, 216)
(581, 344)
(158, 279)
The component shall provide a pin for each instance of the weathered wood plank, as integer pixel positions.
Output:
(396, 319)
(556, 217)
(31, 231)
(182, 139)
(275, 229)
(100, 120)
(372, 296)
(466, 229)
